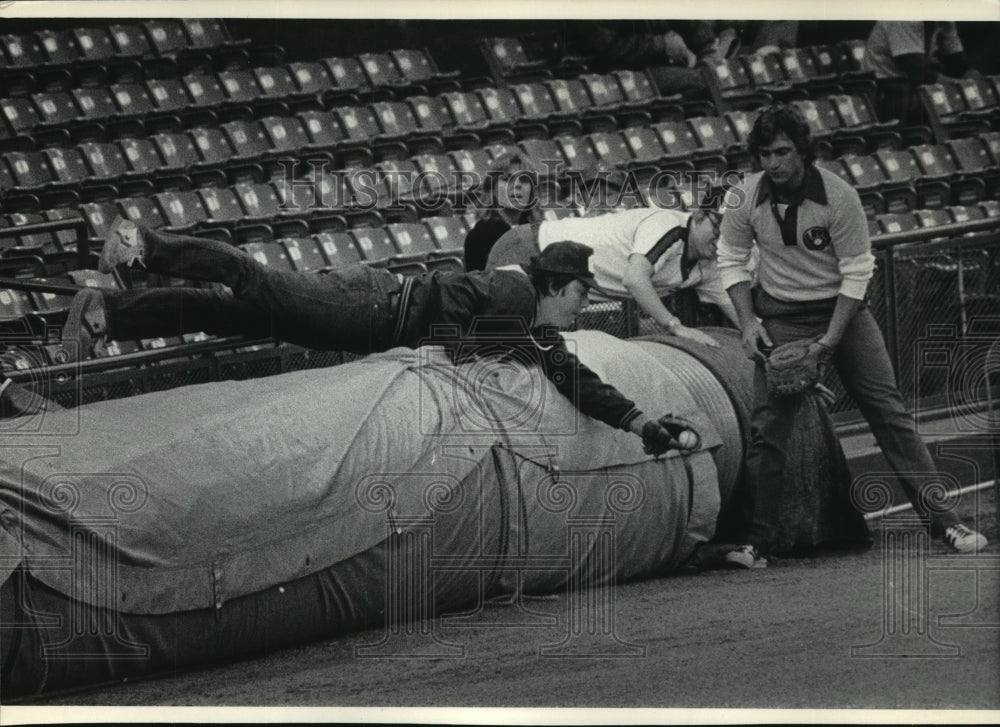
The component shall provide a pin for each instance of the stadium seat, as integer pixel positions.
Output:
(132, 99)
(222, 205)
(894, 222)
(142, 209)
(246, 139)
(272, 254)
(56, 108)
(346, 74)
(169, 94)
(448, 232)
(310, 77)
(338, 247)
(411, 238)
(240, 86)
(98, 215)
(28, 168)
(23, 51)
(213, 145)
(578, 152)
(106, 161)
(180, 209)
(509, 61)
(129, 40)
(303, 253)
(381, 71)
(374, 243)
(20, 113)
(60, 46)
(94, 44)
(167, 36)
(612, 149)
(141, 155)
(204, 89)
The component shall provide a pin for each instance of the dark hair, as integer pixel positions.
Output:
(548, 283)
(781, 119)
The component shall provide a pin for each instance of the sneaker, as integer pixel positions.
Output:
(964, 540)
(745, 556)
(87, 324)
(123, 245)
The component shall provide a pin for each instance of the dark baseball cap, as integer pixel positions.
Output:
(568, 258)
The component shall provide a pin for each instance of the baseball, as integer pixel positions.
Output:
(687, 439)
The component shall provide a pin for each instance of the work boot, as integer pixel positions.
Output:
(87, 324)
(123, 245)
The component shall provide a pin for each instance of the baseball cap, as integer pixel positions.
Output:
(568, 258)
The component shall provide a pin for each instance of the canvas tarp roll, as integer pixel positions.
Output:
(219, 490)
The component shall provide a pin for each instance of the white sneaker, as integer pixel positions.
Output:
(745, 556)
(964, 540)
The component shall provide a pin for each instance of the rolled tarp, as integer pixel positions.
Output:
(218, 521)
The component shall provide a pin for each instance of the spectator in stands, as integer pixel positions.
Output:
(917, 52)
(669, 50)
(645, 254)
(362, 309)
(815, 263)
(508, 195)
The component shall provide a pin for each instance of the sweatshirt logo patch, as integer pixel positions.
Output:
(816, 238)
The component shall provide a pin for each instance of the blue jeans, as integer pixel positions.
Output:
(346, 309)
(863, 364)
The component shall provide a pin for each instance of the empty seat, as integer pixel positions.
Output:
(246, 139)
(448, 232)
(285, 133)
(167, 36)
(411, 238)
(98, 215)
(59, 45)
(143, 210)
(338, 247)
(212, 144)
(644, 145)
(346, 73)
(29, 169)
(603, 89)
(132, 99)
(323, 128)
(180, 209)
(130, 40)
(310, 77)
(20, 113)
(259, 200)
(611, 149)
(94, 44)
(275, 81)
(56, 108)
(141, 155)
(381, 70)
(105, 160)
(374, 243)
(578, 153)
(168, 94)
(677, 138)
(204, 89)
(240, 86)
(206, 32)
(23, 51)
(271, 254)
(304, 254)
(95, 103)
(221, 205)
(178, 151)
(894, 222)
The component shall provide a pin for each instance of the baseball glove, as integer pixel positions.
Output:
(796, 366)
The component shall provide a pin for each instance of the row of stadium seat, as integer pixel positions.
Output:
(77, 110)
(395, 130)
(895, 222)
(954, 108)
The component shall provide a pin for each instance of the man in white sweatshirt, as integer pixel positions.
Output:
(815, 263)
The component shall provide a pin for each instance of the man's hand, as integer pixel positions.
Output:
(669, 432)
(756, 341)
(693, 334)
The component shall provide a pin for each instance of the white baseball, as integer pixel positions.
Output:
(687, 439)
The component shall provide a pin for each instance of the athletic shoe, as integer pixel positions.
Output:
(123, 245)
(87, 324)
(964, 540)
(745, 556)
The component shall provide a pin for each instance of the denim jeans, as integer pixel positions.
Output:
(863, 364)
(346, 309)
